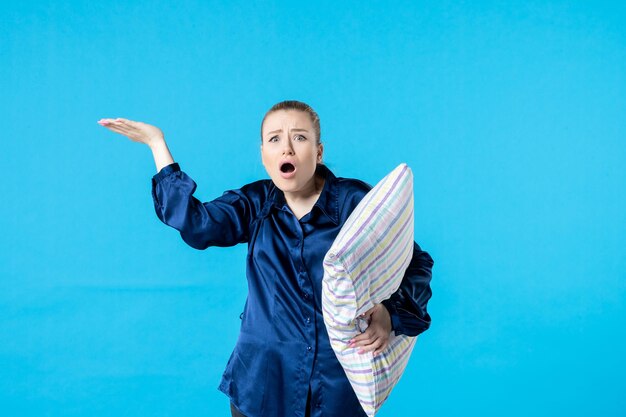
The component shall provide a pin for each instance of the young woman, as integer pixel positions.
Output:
(283, 364)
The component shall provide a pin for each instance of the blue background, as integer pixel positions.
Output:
(511, 115)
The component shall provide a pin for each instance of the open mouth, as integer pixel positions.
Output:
(287, 168)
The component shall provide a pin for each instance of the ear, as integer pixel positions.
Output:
(320, 152)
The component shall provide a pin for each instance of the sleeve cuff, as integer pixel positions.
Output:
(165, 171)
(396, 326)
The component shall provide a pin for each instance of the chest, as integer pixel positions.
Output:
(286, 246)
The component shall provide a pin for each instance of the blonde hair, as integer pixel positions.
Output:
(296, 105)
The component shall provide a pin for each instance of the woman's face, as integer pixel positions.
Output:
(289, 150)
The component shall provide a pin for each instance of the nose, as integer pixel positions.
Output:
(288, 148)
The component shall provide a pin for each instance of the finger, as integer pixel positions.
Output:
(374, 338)
(117, 129)
(365, 336)
(374, 331)
(123, 125)
(109, 122)
(380, 350)
(371, 347)
(362, 342)
(127, 127)
(111, 127)
(120, 130)
(126, 121)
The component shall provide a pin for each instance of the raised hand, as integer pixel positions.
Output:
(135, 131)
(142, 133)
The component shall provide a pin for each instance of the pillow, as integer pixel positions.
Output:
(364, 266)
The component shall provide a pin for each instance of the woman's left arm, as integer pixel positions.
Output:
(404, 312)
(407, 306)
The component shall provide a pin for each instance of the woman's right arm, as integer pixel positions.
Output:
(221, 222)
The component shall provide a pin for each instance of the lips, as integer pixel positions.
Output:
(287, 169)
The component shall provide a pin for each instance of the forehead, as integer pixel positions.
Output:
(287, 119)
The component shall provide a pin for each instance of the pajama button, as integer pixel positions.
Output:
(308, 348)
(308, 319)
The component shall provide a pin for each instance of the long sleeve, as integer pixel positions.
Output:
(407, 306)
(221, 222)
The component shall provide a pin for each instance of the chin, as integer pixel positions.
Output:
(285, 188)
(288, 185)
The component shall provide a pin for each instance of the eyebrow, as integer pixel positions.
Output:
(293, 130)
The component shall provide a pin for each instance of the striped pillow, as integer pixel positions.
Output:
(364, 266)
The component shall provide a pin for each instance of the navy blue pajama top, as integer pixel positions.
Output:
(283, 348)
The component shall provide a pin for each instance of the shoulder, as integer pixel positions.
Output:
(258, 189)
(255, 195)
(256, 192)
(350, 193)
(352, 186)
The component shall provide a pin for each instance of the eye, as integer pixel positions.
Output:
(272, 139)
(299, 138)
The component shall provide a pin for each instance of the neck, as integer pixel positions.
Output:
(312, 190)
